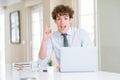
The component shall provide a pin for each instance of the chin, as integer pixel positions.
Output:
(63, 31)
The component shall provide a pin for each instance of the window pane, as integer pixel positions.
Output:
(35, 16)
(37, 30)
(36, 41)
(87, 22)
(34, 54)
(87, 18)
(2, 45)
(87, 7)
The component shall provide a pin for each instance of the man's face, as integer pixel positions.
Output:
(63, 23)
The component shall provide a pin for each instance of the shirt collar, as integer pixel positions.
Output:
(69, 32)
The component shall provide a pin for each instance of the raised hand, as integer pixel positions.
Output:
(47, 33)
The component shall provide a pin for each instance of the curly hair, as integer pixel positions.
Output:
(62, 10)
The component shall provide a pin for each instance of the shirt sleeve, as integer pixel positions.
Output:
(48, 54)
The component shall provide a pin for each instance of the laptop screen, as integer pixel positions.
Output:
(78, 59)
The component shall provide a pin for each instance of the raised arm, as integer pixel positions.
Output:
(46, 35)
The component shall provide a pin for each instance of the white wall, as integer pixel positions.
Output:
(109, 30)
(15, 52)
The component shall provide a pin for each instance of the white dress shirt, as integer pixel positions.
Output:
(76, 38)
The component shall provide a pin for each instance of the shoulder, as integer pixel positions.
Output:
(79, 31)
(55, 34)
(83, 31)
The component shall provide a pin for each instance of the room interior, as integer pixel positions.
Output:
(107, 30)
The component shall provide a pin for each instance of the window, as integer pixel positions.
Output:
(37, 30)
(2, 45)
(87, 17)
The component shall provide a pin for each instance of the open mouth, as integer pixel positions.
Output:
(62, 27)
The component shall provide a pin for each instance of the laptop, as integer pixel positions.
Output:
(78, 59)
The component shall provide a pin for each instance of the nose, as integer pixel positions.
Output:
(62, 21)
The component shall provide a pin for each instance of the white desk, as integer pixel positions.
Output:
(62, 76)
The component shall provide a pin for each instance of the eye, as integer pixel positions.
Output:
(66, 18)
(58, 18)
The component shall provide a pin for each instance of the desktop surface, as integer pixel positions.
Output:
(22, 74)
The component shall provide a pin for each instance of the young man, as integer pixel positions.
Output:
(62, 15)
